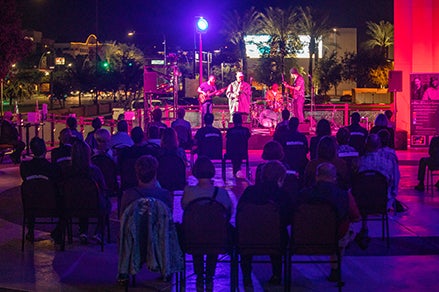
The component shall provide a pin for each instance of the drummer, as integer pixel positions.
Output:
(274, 98)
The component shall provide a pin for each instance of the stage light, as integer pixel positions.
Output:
(202, 24)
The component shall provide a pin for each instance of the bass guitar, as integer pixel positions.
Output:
(202, 98)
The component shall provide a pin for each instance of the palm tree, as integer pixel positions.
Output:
(315, 25)
(381, 36)
(237, 25)
(279, 24)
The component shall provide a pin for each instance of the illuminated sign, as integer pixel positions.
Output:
(157, 62)
(257, 45)
(60, 61)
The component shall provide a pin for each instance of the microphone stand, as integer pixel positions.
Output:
(312, 105)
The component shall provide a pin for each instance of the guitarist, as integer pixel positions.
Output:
(298, 92)
(206, 91)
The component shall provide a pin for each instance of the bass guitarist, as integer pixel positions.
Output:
(205, 93)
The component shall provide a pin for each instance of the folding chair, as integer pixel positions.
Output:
(314, 232)
(369, 189)
(39, 197)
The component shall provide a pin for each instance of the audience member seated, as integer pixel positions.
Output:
(237, 143)
(327, 190)
(169, 145)
(90, 139)
(204, 171)
(157, 121)
(342, 137)
(272, 151)
(40, 166)
(147, 185)
(267, 189)
(358, 134)
(208, 140)
(102, 138)
(295, 147)
(154, 136)
(183, 129)
(121, 139)
(64, 151)
(285, 119)
(432, 161)
(72, 124)
(390, 123)
(380, 123)
(327, 152)
(82, 167)
(380, 161)
(323, 128)
(128, 156)
(9, 135)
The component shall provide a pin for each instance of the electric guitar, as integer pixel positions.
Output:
(202, 98)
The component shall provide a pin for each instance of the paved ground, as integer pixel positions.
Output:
(409, 265)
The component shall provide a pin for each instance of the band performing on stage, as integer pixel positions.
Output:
(265, 112)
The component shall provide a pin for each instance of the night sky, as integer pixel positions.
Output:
(74, 20)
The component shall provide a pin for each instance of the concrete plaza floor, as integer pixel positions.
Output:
(410, 264)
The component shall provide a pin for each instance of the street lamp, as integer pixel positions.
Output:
(201, 27)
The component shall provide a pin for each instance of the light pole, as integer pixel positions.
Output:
(201, 27)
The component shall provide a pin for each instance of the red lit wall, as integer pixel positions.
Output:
(416, 47)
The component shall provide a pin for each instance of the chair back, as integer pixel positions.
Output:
(205, 227)
(358, 141)
(128, 176)
(82, 197)
(369, 189)
(108, 169)
(211, 146)
(171, 172)
(315, 229)
(259, 229)
(40, 198)
(295, 155)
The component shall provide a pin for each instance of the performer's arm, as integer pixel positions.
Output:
(200, 91)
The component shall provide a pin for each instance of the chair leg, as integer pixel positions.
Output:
(107, 222)
(223, 168)
(233, 271)
(23, 233)
(102, 231)
(69, 230)
(287, 280)
(340, 282)
(387, 230)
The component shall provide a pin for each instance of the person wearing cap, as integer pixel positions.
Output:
(432, 92)
(239, 95)
(297, 91)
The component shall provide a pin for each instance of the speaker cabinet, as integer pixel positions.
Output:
(395, 81)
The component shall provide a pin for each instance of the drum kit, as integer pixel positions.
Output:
(268, 114)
